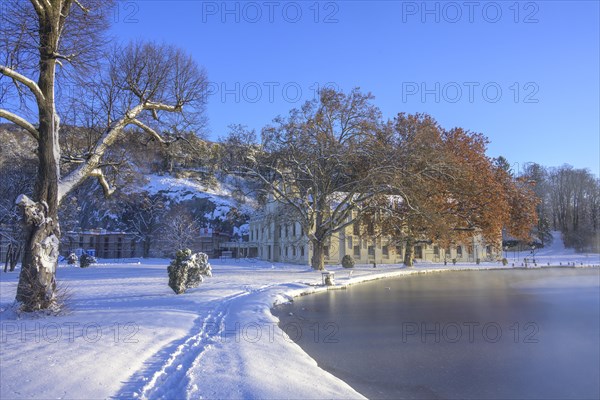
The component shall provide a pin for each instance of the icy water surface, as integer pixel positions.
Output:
(516, 334)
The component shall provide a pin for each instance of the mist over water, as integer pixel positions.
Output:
(509, 334)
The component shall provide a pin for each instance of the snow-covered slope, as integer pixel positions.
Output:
(183, 189)
(555, 253)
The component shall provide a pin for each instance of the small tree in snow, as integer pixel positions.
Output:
(187, 270)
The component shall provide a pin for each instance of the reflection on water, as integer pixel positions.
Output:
(520, 334)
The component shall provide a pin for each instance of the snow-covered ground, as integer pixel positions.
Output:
(126, 334)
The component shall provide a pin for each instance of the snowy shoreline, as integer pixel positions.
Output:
(216, 341)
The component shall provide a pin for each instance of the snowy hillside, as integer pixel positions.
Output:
(183, 189)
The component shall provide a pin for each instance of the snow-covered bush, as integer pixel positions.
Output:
(187, 270)
(504, 262)
(347, 261)
(86, 260)
(72, 259)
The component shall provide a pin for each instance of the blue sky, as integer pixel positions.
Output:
(525, 74)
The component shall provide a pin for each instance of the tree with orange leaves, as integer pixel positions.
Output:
(446, 188)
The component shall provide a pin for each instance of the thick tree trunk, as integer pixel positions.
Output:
(37, 281)
(8, 252)
(409, 252)
(147, 245)
(318, 255)
(15, 255)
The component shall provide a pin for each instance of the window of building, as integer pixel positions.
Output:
(301, 251)
(286, 231)
(294, 229)
(385, 251)
(119, 247)
(106, 246)
(357, 251)
(293, 251)
(356, 228)
(81, 242)
(286, 251)
(436, 251)
(458, 251)
(488, 250)
(418, 252)
(371, 251)
(399, 250)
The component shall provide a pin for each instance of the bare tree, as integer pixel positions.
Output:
(180, 231)
(316, 164)
(143, 215)
(574, 197)
(142, 85)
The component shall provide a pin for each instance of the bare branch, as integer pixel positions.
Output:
(162, 107)
(97, 173)
(15, 119)
(85, 10)
(78, 175)
(39, 9)
(155, 135)
(35, 89)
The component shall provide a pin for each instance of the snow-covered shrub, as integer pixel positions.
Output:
(86, 260)
(72, 259)
(187, 270)
(504, 262)
(347, 261)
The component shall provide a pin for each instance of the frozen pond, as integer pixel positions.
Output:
(506, 334)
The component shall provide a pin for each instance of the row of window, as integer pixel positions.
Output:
(283, 231)
(293, 250)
